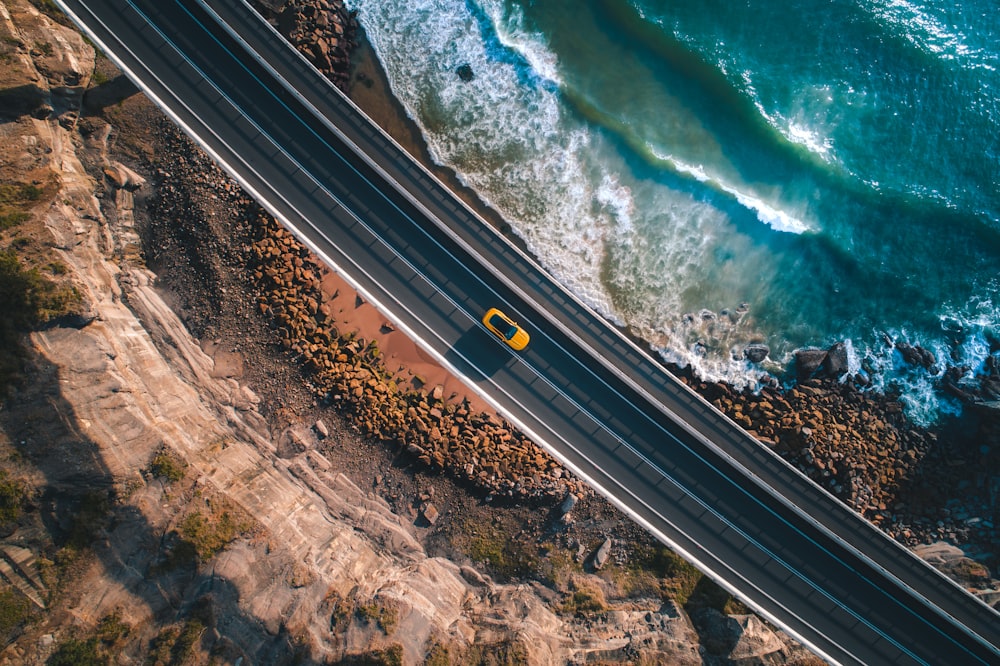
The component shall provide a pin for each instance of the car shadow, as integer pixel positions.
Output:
(478, 354)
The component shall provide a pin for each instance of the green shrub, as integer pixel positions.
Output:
(678, 578)
(161, 647)
(13, 194)
(506, 557)
(438, 655)
(168, 466)
(187, 639)
(112, 629)
(15, 611)
(12, 219)
(11, 496)
(210, 535)
(383, 613)
(77, 652)
(27, 299)
(587, 599)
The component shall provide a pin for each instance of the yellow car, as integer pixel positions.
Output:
(506, 329)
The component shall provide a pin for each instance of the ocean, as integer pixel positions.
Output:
(719, 173)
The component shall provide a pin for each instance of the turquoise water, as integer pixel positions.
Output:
(716, 173)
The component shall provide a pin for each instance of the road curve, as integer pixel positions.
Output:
(600, 404)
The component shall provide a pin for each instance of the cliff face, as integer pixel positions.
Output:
(160, 520)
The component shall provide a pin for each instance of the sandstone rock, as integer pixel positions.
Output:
(430, 513)
(737, 638)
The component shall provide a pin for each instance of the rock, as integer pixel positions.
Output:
(756, 352)
(568, 503)
(321, 430)
(808, 361)
(292, 442)
(430, 513)
(916, 355)
(472, 577)
(736, 638)
(835, 363)
(465, 72)
(602, 554)
(117, 177)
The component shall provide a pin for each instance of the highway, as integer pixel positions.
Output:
(601, 405)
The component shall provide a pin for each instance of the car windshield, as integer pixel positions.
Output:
(503, 326)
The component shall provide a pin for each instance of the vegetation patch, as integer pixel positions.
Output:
(167, 465)
(586, 598)
(497, 654)
(112, 630)
(79, 652)
(390, 656)
(676, 577)
(383, 612)
(506, 557)
(92, 514)
(12, 496)
(27, 299)
(161, 648)
(15, 612)
(212, 530)
(51, 9)
(440, 654)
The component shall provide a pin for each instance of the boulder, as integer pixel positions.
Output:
(465, 72)
(916, 355)
(430, 513)
(835, 363)
(602, 554)
(756, 352)
(808, 361)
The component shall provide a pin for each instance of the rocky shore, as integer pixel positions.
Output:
(355, 504)
(918, 484)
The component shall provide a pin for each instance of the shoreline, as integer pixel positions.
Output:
(919, 484)
(944, 446)
(196, 451)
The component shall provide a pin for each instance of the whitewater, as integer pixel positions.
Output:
(714, 174)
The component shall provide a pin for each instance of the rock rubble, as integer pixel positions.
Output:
(479, 448)
(324, 33)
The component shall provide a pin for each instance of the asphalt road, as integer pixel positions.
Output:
(604, 407)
